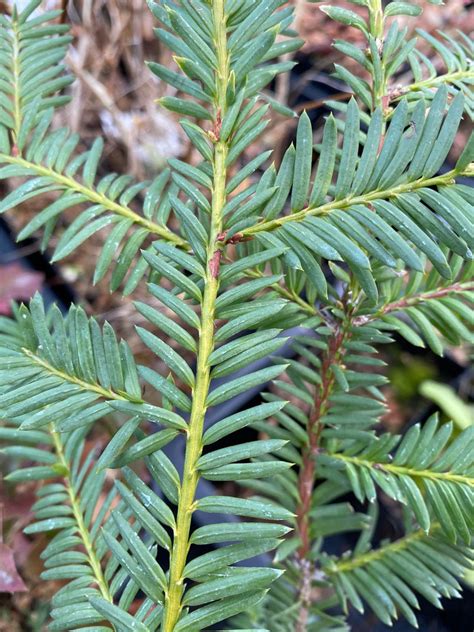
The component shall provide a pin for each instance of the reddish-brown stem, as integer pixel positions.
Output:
(333, 355)
(410, 301)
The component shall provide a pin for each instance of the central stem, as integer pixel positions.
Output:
(376, 18)
(186, 505)
(376, 27)
(16, 80)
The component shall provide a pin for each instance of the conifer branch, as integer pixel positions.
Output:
(396, 235)
(186, 505)
(84, 533)
(352, 200)
(334, 355)
(69, 184)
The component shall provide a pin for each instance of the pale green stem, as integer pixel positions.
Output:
(290, 295)
(72, 379)
(92, 558)
(432, 82)
(362, 560)
(348, 202)
(16, 81)
(70, 184)
(399, 470)
(190, 477)
(376, 28)
(376, 19)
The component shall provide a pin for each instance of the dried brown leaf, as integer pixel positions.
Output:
(10, 580)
